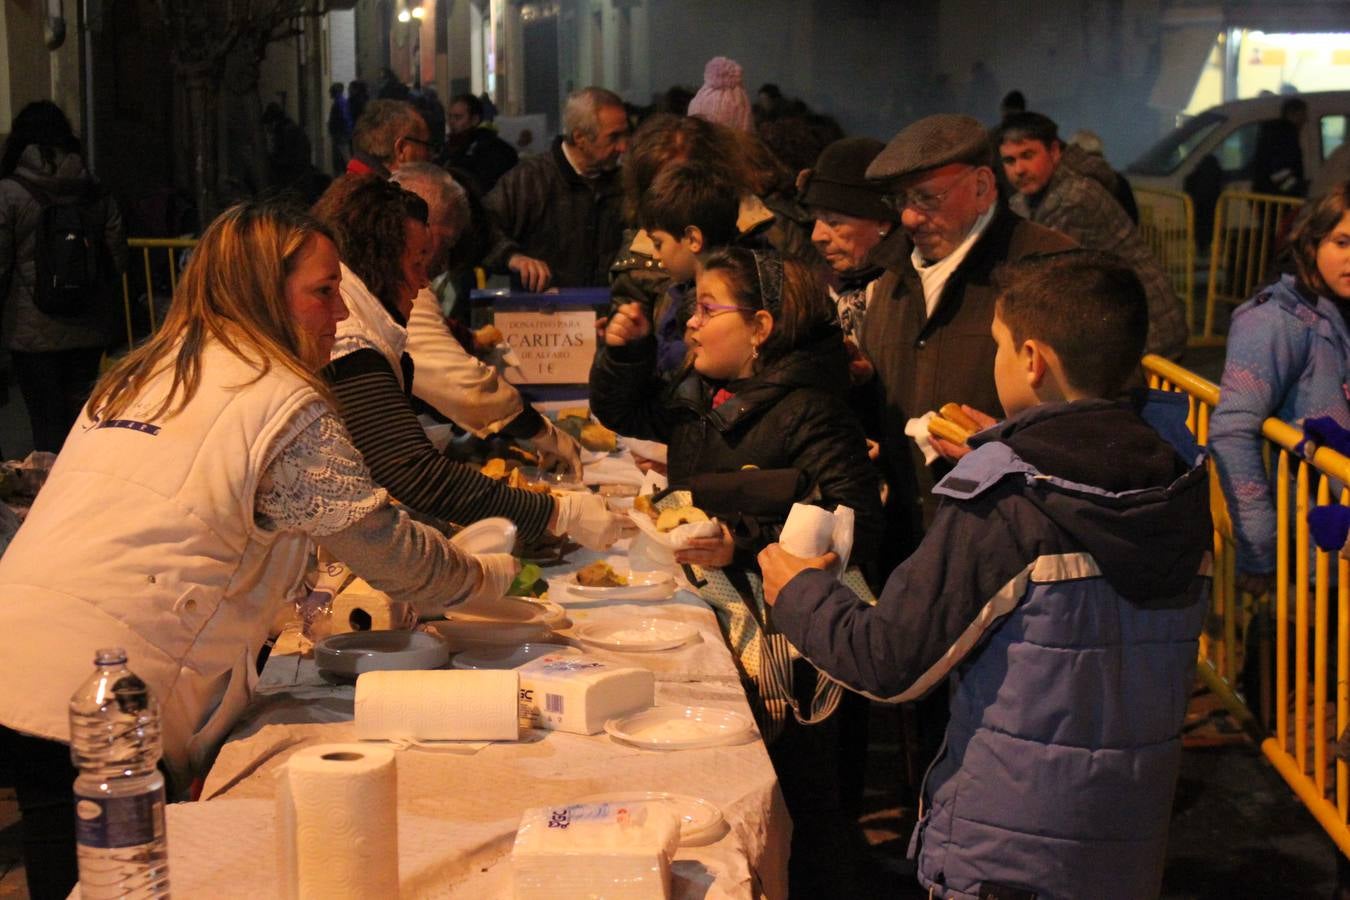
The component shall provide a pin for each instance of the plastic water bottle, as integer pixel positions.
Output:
(119, 794)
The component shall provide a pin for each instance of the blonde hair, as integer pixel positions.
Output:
(233, 292)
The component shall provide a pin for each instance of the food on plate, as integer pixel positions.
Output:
(577, 421)
(670, 519)
(529, 582)
(953, 412)
(508, 470)
(595, 436)
(600, 574)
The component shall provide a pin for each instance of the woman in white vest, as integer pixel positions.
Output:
(384, 241)
(180, 513)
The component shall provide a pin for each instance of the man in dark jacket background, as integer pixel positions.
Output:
(1277, 161)
(564, 207)
(474, 147)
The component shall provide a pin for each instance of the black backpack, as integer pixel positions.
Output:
(76, 275)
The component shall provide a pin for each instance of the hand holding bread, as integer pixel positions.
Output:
(953, 425)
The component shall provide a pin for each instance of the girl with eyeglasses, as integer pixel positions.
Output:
(765, 385)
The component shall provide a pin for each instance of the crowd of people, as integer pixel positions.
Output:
(790, 307)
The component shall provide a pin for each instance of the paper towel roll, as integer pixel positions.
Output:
(337, 821)
(459, 705)
(807, 531)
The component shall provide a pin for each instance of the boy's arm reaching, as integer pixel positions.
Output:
(970, 571)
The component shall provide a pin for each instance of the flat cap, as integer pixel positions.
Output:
(931, 142)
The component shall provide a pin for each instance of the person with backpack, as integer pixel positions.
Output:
(62, 252)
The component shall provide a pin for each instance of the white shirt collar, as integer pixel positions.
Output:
(934, 275)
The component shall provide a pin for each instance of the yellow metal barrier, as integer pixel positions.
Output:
(1167, 225)
(1299, 753)
(158, 263)
(1246, 232)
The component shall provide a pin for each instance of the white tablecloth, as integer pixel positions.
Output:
(458, 810)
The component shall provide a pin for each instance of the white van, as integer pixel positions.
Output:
(1228, 133)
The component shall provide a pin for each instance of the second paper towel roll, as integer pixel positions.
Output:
(807, 531)
(337, 822)
(459, 705)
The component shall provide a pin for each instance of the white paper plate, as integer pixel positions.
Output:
(636, 635)
(348, 655)
(509, 611)
(681, 728)
(510, 657)
(494, 535)
(508, 620)
(640, 586)
(555, 615)
(701, 822)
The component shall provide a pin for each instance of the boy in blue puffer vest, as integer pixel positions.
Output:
(1060, 590)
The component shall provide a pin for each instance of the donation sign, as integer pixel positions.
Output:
(553, 347)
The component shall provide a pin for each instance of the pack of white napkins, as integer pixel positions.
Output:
(578, 693)
(595, 850)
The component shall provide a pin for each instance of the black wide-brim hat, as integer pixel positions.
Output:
(838, 181)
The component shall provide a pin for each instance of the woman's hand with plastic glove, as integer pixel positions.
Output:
(557, 449)
(498, 571)
(588, 521)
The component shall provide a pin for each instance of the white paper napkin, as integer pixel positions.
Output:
(918, 430)
(811, 531)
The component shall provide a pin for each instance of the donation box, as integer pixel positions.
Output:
(551, 336)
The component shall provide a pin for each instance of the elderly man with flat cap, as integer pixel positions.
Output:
(927, 328)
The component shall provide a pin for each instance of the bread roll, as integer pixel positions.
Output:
(948, 431)
(954, 413)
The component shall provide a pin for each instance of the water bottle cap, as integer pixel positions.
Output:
(109, 656)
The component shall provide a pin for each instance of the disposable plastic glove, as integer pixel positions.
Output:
(585, 517)
(499, 570)
(557, 449)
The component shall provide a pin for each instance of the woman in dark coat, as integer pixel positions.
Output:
(766, 387)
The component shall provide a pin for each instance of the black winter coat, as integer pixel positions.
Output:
(546, 210)
(793, 414)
